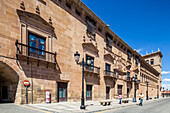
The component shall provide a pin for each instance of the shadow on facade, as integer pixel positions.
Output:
(8, 84)
(40, 70)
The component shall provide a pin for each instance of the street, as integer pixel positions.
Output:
(158, 106)
(161, 106)
(13, 108)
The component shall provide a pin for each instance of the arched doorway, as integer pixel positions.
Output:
(8, 83)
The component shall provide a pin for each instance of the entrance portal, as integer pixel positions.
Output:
(8, 83)
(107, 92)
(62, 91)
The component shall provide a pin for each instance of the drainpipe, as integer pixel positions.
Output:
(31, 85)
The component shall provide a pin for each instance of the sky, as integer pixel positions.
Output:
(142, 24)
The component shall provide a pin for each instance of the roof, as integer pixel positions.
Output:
(165, 92)
(152, 54)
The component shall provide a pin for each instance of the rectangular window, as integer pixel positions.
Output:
(129, 54)
(128, 76)
(121, 46)
(78, 12)
(107, 67)
(92, 61)
(99, 29)
(68, 5)
(88, 19)
(137, 59)
(109, 39)
(152, 62)
(37, 45)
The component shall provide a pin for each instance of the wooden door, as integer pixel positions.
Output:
(5, 92)
(107, 92)
(89, 92)
(62, 91)
(128, 92)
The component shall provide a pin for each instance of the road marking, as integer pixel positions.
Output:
(124, 107)
(32, 108)
(115, 109)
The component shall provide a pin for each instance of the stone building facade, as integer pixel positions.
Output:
(38, 39)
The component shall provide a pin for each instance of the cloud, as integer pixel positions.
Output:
(139, 50)
(166, 80)
(166, 86)
(165, 72)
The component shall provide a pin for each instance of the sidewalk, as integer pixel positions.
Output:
(91, 106)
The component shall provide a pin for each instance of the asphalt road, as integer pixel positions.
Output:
(161, 106)
(13, 108)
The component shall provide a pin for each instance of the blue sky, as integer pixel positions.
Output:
(143, 24)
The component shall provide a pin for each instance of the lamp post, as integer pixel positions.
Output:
(147, 97)
(134, 80)
(163, 92)
(157, 91)
(83, 64)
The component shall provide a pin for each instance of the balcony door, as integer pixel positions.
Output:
(119, 89)
(89, 92)
(36, 46)
(107, 92)
(62, 91)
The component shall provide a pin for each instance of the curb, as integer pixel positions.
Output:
(122, 106)
(82, 111)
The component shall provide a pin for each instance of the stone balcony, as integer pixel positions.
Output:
(24, 51)
(110, 74)
(92, 69)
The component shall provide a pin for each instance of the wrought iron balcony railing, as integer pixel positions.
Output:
(129, 79)
(32, 52)
(110, 74)
(92, 69)
(91, 29)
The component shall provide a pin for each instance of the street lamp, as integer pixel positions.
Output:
(134, 80)
(157, 91)
(163, 92)
(82, 63)
(147, 97)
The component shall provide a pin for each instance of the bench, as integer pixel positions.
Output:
(125, 100)
(105, 102)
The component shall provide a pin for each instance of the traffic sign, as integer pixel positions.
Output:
(26, 83)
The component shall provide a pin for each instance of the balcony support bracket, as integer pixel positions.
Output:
(38, 63)
(27, 60)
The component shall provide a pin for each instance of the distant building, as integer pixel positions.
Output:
(165, 93)
(38, 39)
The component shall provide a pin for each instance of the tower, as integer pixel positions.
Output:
(155, 60)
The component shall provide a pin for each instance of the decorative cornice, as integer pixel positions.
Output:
(25, 16)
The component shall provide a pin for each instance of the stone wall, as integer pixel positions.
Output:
(65, 33)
